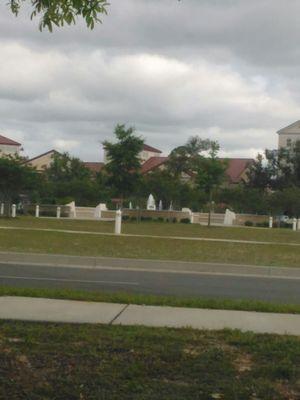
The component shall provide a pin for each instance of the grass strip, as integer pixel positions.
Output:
(149, 248)
(64, 361)
(171, 301)
(159, 229)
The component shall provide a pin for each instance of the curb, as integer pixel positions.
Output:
(59, 260)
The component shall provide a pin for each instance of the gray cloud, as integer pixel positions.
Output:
(224, 70)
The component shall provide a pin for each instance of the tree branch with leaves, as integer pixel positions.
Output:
(61, 12)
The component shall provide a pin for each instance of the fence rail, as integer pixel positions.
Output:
(5, 209)
(47, 210)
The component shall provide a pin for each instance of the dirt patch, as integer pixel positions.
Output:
(243, 363)
(192, 351)
(287, 392)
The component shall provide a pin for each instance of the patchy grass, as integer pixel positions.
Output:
(149, 248)
(160, 229)
(64, 361)
(151, 300)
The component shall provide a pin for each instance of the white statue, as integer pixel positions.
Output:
(151, 203)
(160, 206)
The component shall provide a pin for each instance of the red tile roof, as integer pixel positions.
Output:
(146, 147)
(8, 142)
(236, 167)
(94, 166)
(152, 163)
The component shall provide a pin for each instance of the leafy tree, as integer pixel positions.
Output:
(279, 170)
(259, 175)
(16, 178)
(210, 173)
(60, 12)
(243, 199)
(290, 165)
(124, 165)
(198, 158)
(65, 168)
(163, 186)
(286, 201)
(68, 179)
(183, 159)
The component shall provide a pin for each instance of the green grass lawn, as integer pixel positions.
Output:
(84, 362)
(151, 300)
(160, 229)
(149, 248)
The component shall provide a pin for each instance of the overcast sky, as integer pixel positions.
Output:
(224, 69)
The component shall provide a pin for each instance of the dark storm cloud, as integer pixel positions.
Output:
(224, 69)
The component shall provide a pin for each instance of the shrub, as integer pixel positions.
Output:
(264, 224)
(125, 217)
(160, 219)
(249, 223)
(185, 221)
(133, 218)
(285, 225)
(146, 218)
(174, 220)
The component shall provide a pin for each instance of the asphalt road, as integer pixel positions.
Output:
(157, 283)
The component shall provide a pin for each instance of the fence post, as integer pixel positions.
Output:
(118, 222)
(13, 211)
(37, 211)
(271, 222)
(58, 212)
(294, 224)
(298, 224)
(192, 218)
(2, 209)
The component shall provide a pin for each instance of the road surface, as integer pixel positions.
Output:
(157, 283)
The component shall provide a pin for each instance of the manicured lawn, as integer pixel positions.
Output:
(160, 229)
(172, 301)
(84, 362)
(149, 248)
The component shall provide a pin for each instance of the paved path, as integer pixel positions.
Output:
(153, 236)
(33, 309)
(114, 277)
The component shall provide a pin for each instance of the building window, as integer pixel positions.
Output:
(289, 142)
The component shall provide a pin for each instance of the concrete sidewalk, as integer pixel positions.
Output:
(49, 310)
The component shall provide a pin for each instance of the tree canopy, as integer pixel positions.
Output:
(61, 12)
(124, 165)
(69, 179)
(199, 158)
(278, 169)
(16, 178)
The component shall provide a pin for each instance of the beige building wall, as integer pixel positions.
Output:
(289, 135)
(42, 162)
(146, 155)
(9, 149)
(285, 140)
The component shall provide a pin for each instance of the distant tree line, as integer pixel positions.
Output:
(194, 176)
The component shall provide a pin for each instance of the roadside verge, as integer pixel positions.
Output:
(60, 260)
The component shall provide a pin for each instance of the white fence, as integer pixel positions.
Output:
(100, 212)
